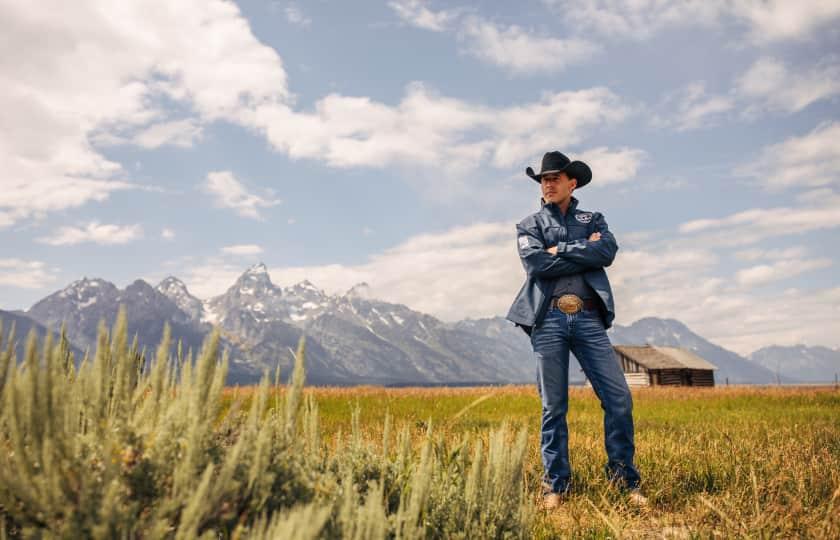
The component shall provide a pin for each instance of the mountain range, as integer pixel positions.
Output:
(353, 338)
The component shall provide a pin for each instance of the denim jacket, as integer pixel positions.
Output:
(575, 254)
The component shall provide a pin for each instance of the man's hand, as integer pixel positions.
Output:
(593, 238)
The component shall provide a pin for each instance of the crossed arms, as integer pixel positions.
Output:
(597, 251)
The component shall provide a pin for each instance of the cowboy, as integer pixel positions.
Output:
(566, 304)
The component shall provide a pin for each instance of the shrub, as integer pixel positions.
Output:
(132, 447)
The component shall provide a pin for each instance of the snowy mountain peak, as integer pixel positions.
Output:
(173, 284)
(257, 269)
(176, 290)
(306, 285)
(255, 281)
(84, 292)
(360, 290)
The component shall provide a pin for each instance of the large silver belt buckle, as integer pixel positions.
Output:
(569, 303)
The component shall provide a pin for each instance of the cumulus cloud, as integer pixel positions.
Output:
(766, 273)
(102, 76)
(228, 192)
(24, 274)
(810, 160)
(417, 14)
(754, 254)
(95, 233)
(691, 107)
(519, 50)
(167, 234)
(474, 271)
(57, 117)
(210, 277)
(763, 21)
(510, 47)
(612, 167)
(426, 128)
(757, 224)
(181, 133)
(770, 84)
(242, 249)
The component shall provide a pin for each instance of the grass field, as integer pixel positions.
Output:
(721, 462)
(125, 448)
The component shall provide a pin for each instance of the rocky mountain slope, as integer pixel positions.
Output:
(351, 338)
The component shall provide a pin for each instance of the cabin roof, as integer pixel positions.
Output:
(655, 357)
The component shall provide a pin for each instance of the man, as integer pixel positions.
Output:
(566, 304)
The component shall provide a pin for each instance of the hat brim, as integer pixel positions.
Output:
(578, 170)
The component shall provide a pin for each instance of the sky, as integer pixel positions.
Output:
(386, 142)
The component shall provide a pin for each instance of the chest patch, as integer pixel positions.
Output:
(584, 217)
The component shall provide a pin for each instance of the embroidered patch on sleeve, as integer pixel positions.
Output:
(523, 242)
(584, 217)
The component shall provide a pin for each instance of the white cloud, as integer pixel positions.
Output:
(211, 277)
(520, 51)
(693, 108)
(24, 274)
(774, 86)
(60, 104)
(416, 13)
(94, 232)
(182, 133)
(811, 160)
(612, 167)
(767, 86)
(101, 75)
(228, 192)
(764, 20)
(296, 16)
(511, 47)
(755, 254)
(636, 19)
(776, 20)
(425, 128)
(242, 249)
(756, 224)
(167, 234)
(474, 271)
(766, 273)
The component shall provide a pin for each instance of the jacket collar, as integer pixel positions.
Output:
(554, 209)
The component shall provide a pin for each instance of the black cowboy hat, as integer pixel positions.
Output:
(555, 162)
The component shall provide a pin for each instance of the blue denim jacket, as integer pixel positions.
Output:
(575, 254)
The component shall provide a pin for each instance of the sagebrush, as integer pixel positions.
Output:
(131, 445)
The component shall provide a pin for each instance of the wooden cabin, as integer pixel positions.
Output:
(650, 365)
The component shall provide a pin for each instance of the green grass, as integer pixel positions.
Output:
(730, 461)
(115, 451)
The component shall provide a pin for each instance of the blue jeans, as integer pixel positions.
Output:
(583, 334)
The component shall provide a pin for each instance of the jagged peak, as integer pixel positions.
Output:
(257, 269)
(306, 285)
(359, 290)
(94, 282)
(168, 281)
(256, 273)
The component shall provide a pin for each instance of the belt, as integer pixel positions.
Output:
(570, 303)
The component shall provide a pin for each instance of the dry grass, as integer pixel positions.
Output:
(731, 461)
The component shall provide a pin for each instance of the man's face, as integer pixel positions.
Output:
(557, 187)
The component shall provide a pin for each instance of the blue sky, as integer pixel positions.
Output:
(386, 141)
